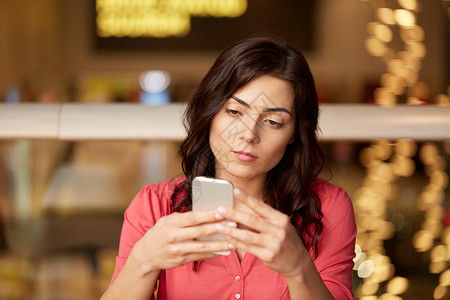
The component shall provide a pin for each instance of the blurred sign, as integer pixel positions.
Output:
(198, 25)
(153, 18)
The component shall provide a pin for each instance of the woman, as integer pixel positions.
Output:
(252, 121)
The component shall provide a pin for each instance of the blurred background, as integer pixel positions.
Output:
(62, 201)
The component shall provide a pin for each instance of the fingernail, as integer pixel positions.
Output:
(231, 246)
(218, 216)
(237, 191)
(232, 224)
(220, 227)
(222, 210)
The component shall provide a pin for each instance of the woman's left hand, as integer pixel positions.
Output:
(267, 233)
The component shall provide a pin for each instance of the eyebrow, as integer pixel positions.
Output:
(273, 109)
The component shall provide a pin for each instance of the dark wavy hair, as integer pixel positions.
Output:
(289, 185)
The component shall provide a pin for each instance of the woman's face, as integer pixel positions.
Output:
(250, 133)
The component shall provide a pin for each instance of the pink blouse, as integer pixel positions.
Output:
(225, 277)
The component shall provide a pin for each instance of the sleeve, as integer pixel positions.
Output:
(142, 213)
(334, 261)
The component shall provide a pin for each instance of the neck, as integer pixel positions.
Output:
(251, 186)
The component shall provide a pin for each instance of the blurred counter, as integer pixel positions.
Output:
(352, 122)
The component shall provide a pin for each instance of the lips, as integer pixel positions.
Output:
(244, 156)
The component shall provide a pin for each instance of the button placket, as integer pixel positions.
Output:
(235, 269)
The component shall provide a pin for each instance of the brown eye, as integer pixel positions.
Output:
(273, 124)
(232, 112)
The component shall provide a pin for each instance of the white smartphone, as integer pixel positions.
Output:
(209, 194)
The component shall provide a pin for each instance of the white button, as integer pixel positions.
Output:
(238, 278)
(237, 296)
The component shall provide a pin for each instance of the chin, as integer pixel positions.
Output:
(243, 172)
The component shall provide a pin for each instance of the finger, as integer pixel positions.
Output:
(199, 247)
(254, 204)
(244, 235)
(258, 206)
(253, 238)
(252, 221)
(192, 218)
(193, 232)
(200, 256)
(260, 252)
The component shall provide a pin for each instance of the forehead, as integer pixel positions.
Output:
(267, 91)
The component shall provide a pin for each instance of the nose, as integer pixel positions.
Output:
(249, 134)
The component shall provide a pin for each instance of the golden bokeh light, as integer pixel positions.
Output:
(439, 179)
(406, 147)
(383, 33)
(414, 101)
(382, 172)
(408, 4)
(413, 33)
(411, 61)
(368, 298)
(388, 55)
(397, 285)
(371, 27)
(383, 169)
(394, 83)
(446, 236)
(385, 97)
(375, 46)
(384, 231)
(366, 156)
(404, 18)
(383, 149)
(375, 245)
(437, 267)
(383, 272)
(417, 49)
(412, 78)
(436, 213)
(387, 296)
(428, 153)
(435, 227)
(397, 67)
(444, 279)
(423, 240)
(443, 100)
(420, 90)
(369, 288)
(403, 166)
(440, 292)
(430, 197)
(439, 253)
(386, 15)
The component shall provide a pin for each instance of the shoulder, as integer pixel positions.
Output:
(337, 240)
(331, 195)
(153, 200)
(338, 216)
(162, 190)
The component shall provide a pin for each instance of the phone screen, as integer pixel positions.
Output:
(209, 194)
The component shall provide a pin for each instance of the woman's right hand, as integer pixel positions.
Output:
(171, 241)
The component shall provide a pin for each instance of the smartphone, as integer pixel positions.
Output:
(209, 194)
